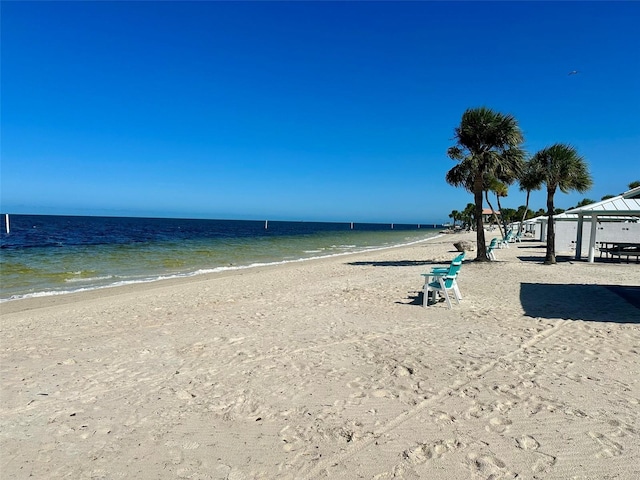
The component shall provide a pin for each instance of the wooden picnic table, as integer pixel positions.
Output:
(620, 249)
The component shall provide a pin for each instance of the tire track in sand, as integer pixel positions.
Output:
(403, 417)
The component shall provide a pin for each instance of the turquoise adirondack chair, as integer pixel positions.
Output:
(443, 283)
(507, 239)
(460, 258)
(492, 246)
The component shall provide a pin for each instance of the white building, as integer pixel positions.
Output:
(616, 220)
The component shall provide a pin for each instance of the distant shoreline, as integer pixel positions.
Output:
(45, 299)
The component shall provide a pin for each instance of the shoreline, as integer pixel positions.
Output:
(44, 299)
(206, 271)
(331, 369)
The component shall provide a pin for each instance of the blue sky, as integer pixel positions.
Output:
(331, 111)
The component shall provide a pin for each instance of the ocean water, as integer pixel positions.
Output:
(52, 255)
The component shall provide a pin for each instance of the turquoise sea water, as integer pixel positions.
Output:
(50, 255)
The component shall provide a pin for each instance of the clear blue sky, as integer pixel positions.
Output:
(333, 111)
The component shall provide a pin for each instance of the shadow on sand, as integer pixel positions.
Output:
(598, 303)
(540, 258)
(398, 263)
(414, 298)
(570, 259)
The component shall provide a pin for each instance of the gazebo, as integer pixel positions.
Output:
(625, 206)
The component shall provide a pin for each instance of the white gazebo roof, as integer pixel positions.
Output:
(626, 204)
(622, 208)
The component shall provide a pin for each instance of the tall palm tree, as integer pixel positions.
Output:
(488, 144)
(529, 180)
(500, 189)
(560, 166)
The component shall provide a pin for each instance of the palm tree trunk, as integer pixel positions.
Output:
(480, 241)
(504, 223)
(550, 259)
(493, 212)
(526, 209)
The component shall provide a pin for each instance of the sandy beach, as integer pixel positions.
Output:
(331, 369)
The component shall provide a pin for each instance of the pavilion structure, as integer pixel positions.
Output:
(622, 208)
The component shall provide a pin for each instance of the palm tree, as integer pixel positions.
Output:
(468, 215)
(509, 215)
(493, 212)
(529, 180)
(634, 184)
(488, 144)
(561, 167)
(500, 189)
(522, 213)
(455, 215)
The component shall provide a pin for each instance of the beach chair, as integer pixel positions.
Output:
(504, 243)
(460, 258)
(442, 283)
(492, 246)
(445, 270)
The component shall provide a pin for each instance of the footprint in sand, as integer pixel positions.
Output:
(441, 417)
(498, 424)
(426, 451)
(398, 471)
(543, 463)
(476, 411)
(488, 466)
(609, 447)
(527, 443)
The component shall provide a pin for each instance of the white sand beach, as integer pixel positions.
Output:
(331, 369)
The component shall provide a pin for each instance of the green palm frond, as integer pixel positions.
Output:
(530, 177)
(560, 166)
(461, 176)
(455, 153)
